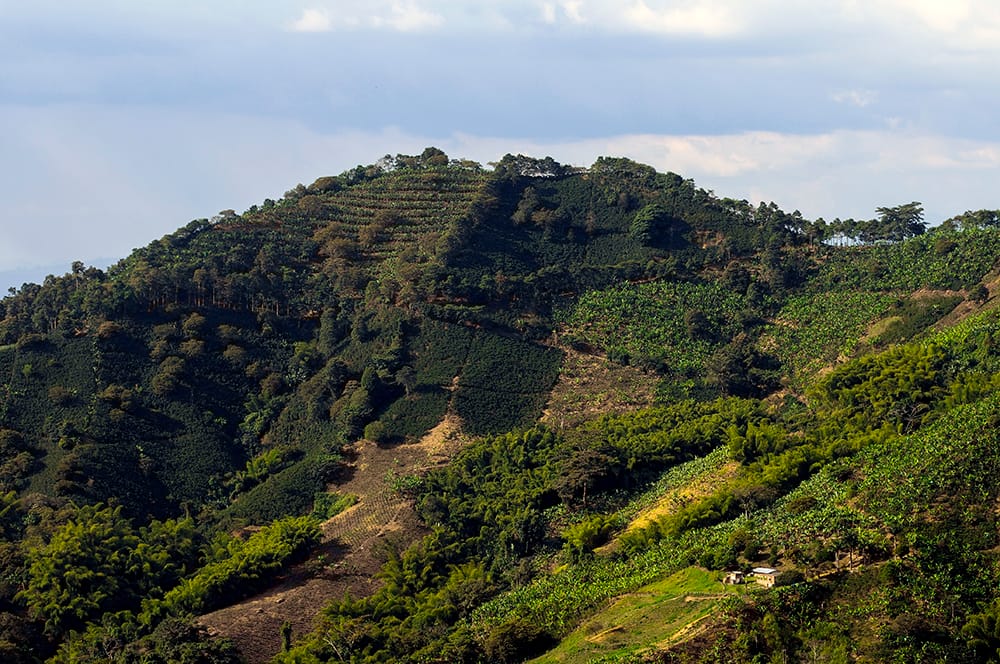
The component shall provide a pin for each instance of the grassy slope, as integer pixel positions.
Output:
(642, 619)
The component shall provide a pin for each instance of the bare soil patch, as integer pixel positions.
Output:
(591, 385)
(352, 549)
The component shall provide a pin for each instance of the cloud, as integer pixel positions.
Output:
(937, 15)
(408, 17)
(962, 26)
(570, 9)
(986, 156)
(312, 20)
(859, 98)
(685, 85)
(725, 156)
(399, 15)
(708, 19)
(837, 173)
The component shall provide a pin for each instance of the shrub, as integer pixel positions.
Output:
(168, 376)
(234, 577)
(193, 325)
(193, 348)
(108, 329)
(235, 355)
(583, 537)
(11, 441)
(327, 505)
(979, 294)
(61, 396)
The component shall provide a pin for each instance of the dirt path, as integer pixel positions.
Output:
(351, 551)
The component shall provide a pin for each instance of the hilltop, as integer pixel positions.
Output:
(425, 410)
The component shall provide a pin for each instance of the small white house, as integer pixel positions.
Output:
(734, 578)
(765, 576)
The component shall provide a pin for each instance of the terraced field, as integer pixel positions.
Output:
(386, 215)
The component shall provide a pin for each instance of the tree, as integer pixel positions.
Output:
(970, 220)
(649, 223)
(583, 469)
(82, 571)
(407, 377)
(900, 222)
(10, 517)
(432, 156)
(979, 294)
(516, 640)
(698, 325)
(331, 331)
(736, 278)
(738, 369)
(584, 536)
(526, 206)
(522, 166)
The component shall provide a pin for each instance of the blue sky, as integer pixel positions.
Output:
(121, 121)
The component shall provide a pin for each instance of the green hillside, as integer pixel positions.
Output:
(528, 412)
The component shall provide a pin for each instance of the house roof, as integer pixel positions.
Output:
(764, 570)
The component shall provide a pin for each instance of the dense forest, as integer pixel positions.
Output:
(431, 411)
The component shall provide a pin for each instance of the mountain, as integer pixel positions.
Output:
(426, 411)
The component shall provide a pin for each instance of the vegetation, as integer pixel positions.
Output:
(504, 383)
(812, 331)
(174, 429)
(673, 325)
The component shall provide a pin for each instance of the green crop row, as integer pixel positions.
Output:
(676, 324)
(812, 330)
(412, 416)
(505, 383)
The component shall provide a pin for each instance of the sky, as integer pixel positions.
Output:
(122, 121)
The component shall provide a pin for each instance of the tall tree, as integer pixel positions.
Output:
(900, 222)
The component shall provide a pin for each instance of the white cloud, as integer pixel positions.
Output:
(961, 25)
(987, 156)
(859, 98)
(572, 10)
(708, 19)
(724, 156)
(399, 15)
(968, 24)
(939, 15)
(408, 17)
(312, 20)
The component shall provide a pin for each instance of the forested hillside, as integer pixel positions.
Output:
(430, 411)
